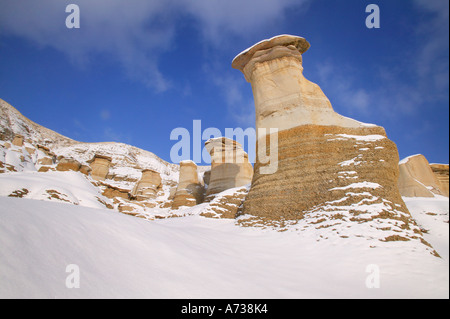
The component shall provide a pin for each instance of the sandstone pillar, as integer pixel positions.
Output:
(189, 190)
(326, 162)
(148, 185)
(100, 167)
(230, 166)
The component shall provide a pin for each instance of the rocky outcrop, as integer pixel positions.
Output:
(230, 167)
(45, 161)
(324, 164)
(189, 190)
(112, 192)
(442, 173)
(100, 167)
(18, 140)
(417, 178)
(148, 185)
(68, 164)
(227, 204)
(206, 177)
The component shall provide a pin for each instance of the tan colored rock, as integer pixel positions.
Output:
(189, 190)
(68, 164)
(417, 179)
(325, 161)
(148, 185)
(284, 98)
(442, 173)
(227, 204)
(100, 167)
(172, 192)
(44, 169)
(86, 170)
(230, 167)
(206, 177)
(45, 161)
(111, 191)
(30, 150)
(7, 145)
(45, 150)
(18, 140)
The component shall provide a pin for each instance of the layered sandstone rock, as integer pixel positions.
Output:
(100, 167)
(326, 165)
(46, 151)
(230, 167)
(112, 192)
(417, 179)
(148, 185)
(68, 164)
(45, 161)
(86, 170)
(206, 177)
(189, 190)
(442, 173)
(227, 204)
(18, 140)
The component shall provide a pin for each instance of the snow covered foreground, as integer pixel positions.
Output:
(120, 256)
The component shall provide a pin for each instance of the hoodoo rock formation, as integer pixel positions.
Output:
(148, 185)
(417, 178)
(230, 166)
(326, 162)
(100, 167)
(189, 190)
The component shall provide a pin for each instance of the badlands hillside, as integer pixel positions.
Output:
(340, 216)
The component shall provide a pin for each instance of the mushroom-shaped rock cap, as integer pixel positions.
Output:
(241, 60)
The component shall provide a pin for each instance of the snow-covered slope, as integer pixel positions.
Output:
(69, 187)
(195, 257)
(127, 161)
(12, 122)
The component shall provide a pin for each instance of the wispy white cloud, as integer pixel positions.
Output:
(134, 33)
(220, 18)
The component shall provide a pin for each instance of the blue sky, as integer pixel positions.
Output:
(136, 70)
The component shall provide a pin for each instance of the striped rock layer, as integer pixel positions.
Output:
(442, 173)
(327, 167)
(230, 166)
(189, 189)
